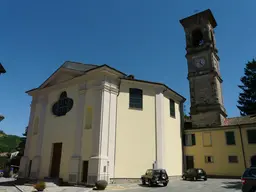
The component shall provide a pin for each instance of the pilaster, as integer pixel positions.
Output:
(112, 132)
(159, 129)
(36, 162)
(101, 163)
(23, 169)
(75, 161)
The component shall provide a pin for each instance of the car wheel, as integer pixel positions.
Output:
(165, 184)
(149, 183)
(184, 178)
(143, 182)
(194, 178)
(205, 179)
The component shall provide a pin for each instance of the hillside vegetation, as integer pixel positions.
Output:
(8, 143)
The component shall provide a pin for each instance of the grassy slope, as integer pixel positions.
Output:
(8, 143)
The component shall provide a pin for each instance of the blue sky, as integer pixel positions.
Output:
(140, 37)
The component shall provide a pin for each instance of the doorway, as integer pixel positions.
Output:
(253, 161)
(56, 159)
(189, 162)
(85, 171)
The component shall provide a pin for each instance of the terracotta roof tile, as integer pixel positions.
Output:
(240, 120)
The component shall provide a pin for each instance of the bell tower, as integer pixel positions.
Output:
(207, 108)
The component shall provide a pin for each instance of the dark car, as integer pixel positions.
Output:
(249, 180)
(155, 177)
(194, 174)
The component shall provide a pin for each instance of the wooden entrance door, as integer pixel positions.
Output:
(189, 162)
(85, 171)
(56, 159)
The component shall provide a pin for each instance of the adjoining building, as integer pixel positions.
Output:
(220, 145)
(90, 122)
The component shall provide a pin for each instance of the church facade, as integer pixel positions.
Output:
(221, 146)
(90, 122)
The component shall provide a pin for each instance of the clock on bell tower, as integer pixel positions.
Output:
(207, 108)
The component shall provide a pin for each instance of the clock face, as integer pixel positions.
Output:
(200, 62)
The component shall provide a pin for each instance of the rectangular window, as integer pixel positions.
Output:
(251, 135)
(189, 140)
(88, 119)
(208, 159)
(232, 159)
(230, 138)
(172, 107)
(136, 98)
(207, 139)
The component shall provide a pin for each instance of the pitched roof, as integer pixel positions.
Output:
(240, 120)
(233, 121)
(84, 68)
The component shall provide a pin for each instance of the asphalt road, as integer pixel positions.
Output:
(211, 185)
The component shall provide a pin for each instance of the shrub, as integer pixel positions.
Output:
(40, 186)
(101, 184)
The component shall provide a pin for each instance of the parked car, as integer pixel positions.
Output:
(249, 180)
(155, 177)
(194, 174)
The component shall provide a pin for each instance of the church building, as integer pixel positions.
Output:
(221, 146)
(90, 122)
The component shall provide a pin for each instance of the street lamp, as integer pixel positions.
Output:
(2, 70)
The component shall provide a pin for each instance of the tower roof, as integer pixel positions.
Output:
(193, 19)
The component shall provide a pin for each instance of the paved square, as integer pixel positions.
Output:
(211, 185)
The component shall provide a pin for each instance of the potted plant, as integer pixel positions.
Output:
(101, 185)
(40, 186)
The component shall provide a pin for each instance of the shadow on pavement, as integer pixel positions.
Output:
(7, 183)
(147, 186)
(232, 185)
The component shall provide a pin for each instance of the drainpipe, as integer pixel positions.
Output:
(242, 145)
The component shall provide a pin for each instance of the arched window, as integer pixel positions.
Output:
(35, 126)
(197, 38)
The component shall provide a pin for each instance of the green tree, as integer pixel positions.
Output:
(247, 98)
(21, 145)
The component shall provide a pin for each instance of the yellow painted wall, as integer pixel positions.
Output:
(59, 129)
(172, 137)
(135, 134)
(249, 149)
(219, 150)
